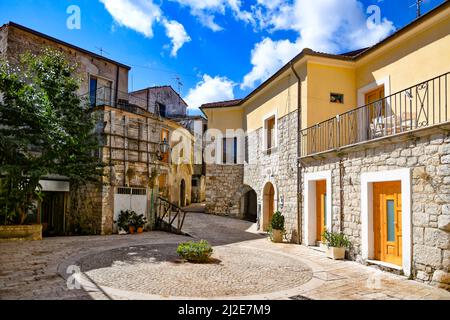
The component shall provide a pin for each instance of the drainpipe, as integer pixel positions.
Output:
(116, 94)
(299, 169)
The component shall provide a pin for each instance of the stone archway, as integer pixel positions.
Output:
(268, 205)
(249, 206)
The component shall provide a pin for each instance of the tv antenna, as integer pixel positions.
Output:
(179, 84)
(418, 6)
(102, 52)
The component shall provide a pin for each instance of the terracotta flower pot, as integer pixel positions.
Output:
(132, 230)
(277, 236)
(140, 230)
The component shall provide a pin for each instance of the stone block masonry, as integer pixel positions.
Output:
(226, 184)
(278, 168)
(426, 157)
(223, 183)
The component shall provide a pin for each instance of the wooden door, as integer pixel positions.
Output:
(321, 208)
(387, 222)
(269, 205)
(376, 109)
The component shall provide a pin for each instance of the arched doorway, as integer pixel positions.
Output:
(183, 194)
(268, 205)
(249, 206)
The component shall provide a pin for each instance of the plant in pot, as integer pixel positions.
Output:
(138, 221)
(336, 243)
(196, 252)
(277, 227)
(123, 223)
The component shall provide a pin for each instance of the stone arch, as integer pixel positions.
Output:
(249, 204)
(269, 196)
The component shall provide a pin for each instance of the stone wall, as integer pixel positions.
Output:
(20, 42)
(3, 42)
(278, 168)
(84, 214)
(175, 105)
(223, 183)
(428, 158)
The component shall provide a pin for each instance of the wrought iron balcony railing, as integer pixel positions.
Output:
(423, 105)
(105, 96)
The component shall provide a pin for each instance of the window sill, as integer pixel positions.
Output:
(269, 152)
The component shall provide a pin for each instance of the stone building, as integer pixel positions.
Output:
(168, 104)
(164, 101)
(356, 143)
(131, 136)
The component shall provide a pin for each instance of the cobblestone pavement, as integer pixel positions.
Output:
(145, 267)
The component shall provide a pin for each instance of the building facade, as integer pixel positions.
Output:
(355, 143)
(131, 136)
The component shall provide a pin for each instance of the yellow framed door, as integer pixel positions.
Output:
(388, 222)
(321, 208)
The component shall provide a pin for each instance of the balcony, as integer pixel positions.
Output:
(423, 105)
(123, 100)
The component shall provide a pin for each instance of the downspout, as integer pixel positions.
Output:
(299, 169)
(116, 94)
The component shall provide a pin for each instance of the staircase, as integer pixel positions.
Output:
(169, 217)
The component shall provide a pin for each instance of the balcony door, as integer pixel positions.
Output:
(376, 112)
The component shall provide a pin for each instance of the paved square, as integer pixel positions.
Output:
(248, 266)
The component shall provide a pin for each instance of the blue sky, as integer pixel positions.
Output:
(220, 49)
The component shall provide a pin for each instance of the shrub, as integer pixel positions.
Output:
(124, 220)
(277, 222)
(195, 251)
(137, 220)
(336, 240)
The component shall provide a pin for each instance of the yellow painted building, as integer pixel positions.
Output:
(355, 143)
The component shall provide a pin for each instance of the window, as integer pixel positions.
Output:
(93, 91)
(162, 110)
(195, 182)
(229, 151)
(271, 134)
(337, 98)
(165, 138)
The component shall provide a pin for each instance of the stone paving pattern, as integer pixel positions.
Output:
(29, 270)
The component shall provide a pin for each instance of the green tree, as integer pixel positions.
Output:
(45, 129)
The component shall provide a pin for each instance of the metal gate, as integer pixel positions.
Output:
(134, 199)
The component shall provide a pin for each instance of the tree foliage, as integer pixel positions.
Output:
(45, 129)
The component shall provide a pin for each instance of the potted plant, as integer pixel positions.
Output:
(277, 227)
(138, 221)
(196, 252)
(123, 223)
(337, 243)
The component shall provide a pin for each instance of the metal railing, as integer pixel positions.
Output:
(169, 213)
(423, 105)
(106, 96)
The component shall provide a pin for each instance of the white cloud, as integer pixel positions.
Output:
(139, 15)
(210, 89)
(177, 34)
(331, 26)
(206, 11)
(267, 57)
